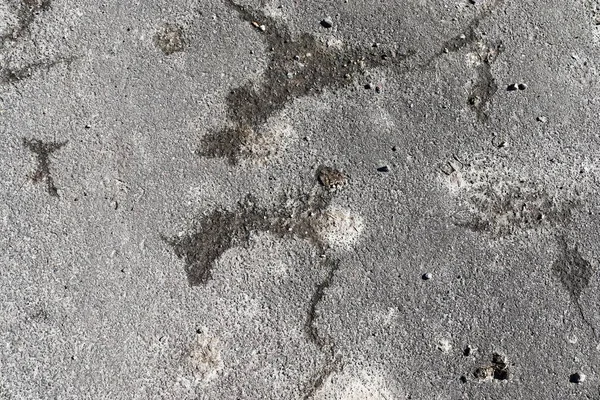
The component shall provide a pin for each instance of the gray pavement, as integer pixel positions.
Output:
(283, 199)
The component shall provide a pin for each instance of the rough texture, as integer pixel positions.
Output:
(262, 199)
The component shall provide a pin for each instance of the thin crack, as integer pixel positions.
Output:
(325, 344)
(10, 75)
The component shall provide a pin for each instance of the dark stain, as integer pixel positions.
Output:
(297, 68)
(169, 39)
(325, 344)
(574, 272)
(223, 229)
(10, 75)
(485, 85)
(43, 150)
(26, 13)
(465, 39)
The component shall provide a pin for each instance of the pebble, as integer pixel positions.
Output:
(512, 87)
(384, 168)
(542, 119)
(577, 377)
(467, 351)
(378, 89)
(427, 276)
(327, 23)
(368, 86)
(522, 86)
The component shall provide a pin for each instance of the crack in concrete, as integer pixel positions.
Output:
(43, 150)
(325, 344)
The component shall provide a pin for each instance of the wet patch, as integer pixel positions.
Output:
(43, 150)
(574, 273)
(222, 229)
(169, 39)
(494, 201)
(297, 67)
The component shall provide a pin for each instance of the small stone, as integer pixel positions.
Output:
(327, 23)
(368, 86)
(502, 144)
(542, 119)
(577, 377)
(512, 87)
(522, 86)
(463, 379)
(262, 28)
(427, 276)
(467, 351)
(384, 168)
(331, 178)
(378, 89)
(394, 148)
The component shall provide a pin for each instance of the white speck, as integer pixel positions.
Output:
(444, 346)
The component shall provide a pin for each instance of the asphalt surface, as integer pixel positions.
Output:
(299, 199)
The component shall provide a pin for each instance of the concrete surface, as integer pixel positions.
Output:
(285, 199)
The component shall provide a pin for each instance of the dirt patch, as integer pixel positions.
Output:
(169, 39)
(495, 201)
